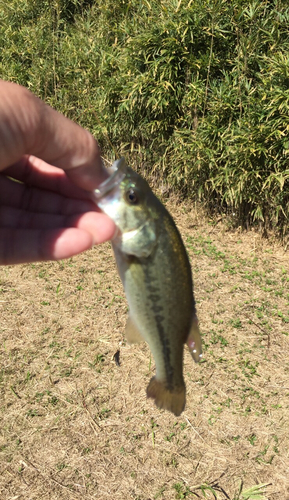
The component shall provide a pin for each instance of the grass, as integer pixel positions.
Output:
(74, 424)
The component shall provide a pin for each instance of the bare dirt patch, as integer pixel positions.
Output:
(75, 425)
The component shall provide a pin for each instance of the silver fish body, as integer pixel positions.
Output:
(156, 275)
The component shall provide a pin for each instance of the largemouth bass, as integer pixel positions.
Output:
(156, 274)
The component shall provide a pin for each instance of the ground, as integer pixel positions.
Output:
(76, 425)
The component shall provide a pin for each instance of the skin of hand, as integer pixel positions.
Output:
(49, 167)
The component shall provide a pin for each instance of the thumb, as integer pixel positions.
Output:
(29, 126)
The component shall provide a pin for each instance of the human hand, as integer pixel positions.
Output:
(49, 214)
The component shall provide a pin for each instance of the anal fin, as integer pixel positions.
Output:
(194, 341)
(132, 333)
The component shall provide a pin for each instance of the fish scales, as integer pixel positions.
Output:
(156, 275)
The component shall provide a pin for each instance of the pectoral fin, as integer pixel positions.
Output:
(139, 242)
(132, 333)
(194, 341)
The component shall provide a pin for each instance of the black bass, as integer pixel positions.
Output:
(157, 279)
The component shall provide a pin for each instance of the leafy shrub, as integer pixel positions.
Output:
(194, 91)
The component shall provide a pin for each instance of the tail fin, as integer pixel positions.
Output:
(194, 341)
(173, 401)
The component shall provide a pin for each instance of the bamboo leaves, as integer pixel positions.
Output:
(198, 90)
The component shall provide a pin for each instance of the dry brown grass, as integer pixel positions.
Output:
(75, 425)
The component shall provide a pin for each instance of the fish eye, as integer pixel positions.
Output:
(131, 196)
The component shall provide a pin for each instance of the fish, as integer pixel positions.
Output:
(156, 274)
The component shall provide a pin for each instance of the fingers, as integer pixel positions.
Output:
(31, 245)
(23, 246)
(30, 199)
(28, 126)
(11, 217)
(35, 172)
(48, 215)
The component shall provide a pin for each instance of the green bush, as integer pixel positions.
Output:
(196, 92)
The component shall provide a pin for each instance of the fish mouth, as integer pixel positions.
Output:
(119, 171)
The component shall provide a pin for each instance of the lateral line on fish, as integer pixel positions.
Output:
(164, 341)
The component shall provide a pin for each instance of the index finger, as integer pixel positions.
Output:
(29, 126)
